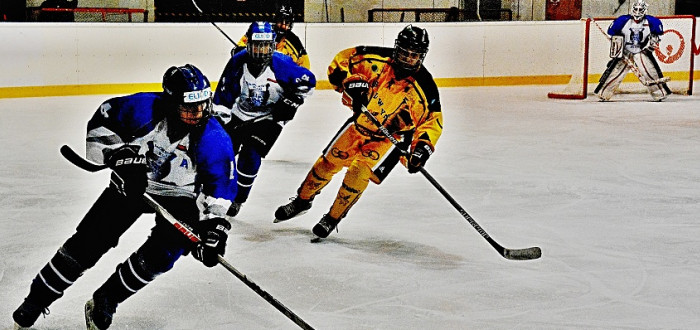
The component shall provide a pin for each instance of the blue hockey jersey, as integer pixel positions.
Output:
(197, 164)
(241, 94)
(636, 34)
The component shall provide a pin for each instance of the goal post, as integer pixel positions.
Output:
(674, 55)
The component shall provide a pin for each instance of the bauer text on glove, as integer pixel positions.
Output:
(213, 234)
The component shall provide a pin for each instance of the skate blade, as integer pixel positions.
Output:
(316, 240)
(278, 220)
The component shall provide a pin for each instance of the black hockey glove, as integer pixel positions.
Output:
(286, 107)
(419, 156)
(356, 88)
(129, 170)
(213, 234)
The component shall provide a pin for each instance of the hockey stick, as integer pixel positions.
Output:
(510, 254)
(214, 24)
(186, 230)
(631, 64)
(73, 157)
(250, 122)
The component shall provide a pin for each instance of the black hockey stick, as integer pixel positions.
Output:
(186, 230)
(250, 121)
(510, 254)
(73, 157)
(214, 24)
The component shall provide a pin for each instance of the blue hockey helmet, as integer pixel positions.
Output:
(261, 42)
(410, 48)
(188, 89)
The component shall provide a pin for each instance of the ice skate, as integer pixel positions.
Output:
(292, 209)
(324, 227)
(234, 209)
(26, 314)
(98, 313)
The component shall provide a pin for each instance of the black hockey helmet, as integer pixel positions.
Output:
(188, 89)
(410, 48)
(284, 20)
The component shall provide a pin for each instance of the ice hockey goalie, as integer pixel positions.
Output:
(633, 39)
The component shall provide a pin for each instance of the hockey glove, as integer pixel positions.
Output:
(129, 170)
(355, 89)
(286, 107)
(420, 154)
(652, 43)
(213, 234)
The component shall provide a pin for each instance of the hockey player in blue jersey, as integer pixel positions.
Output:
(633, 39)
(260, 90)
(168, 145)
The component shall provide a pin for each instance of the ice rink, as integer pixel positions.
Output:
(609, 191)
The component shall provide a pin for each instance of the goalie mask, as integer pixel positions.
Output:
(639, 10)
(410, 48)
(261, 42)
(284, 19)
(189, 91)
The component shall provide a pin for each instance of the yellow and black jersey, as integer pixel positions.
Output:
(401, 105)
(289, 45)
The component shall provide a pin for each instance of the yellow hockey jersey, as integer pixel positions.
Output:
(401, 105)
(289, 45)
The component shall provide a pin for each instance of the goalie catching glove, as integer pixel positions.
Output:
(286, 107)
(420, 154)
(213, 234)
(129, 170)
(355, 90)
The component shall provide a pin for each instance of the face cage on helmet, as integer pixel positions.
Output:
(261, 51)
(194, 114)
(638, 12)
(408, 59)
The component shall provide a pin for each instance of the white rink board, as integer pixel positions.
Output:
(44, 54)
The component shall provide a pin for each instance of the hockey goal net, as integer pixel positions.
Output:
(674, 55)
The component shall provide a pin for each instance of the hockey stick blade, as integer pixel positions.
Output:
(73, 157)
(523, 254)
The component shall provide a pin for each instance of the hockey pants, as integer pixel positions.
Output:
(100, 229)
(618, 68)
(351, 149)
(251, 143)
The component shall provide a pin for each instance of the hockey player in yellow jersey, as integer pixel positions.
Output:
(288, 43)
(398, 90)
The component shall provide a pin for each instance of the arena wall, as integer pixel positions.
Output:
(49, 59)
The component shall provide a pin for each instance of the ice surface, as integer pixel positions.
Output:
(609, 191)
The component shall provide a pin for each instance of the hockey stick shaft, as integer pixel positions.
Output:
(250, 122)
(214, 24)
(512, 254)
(188, 231)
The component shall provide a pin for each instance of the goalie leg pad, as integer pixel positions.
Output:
(611, 79)
(651, 72)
